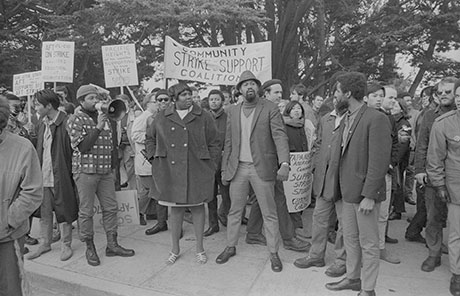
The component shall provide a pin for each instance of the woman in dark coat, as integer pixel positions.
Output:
(56, 160)
(294, 119)
(183, 147)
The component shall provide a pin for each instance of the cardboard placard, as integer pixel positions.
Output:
(27, 84)
(120, 65)
(128, 208)
(297, 188)
(57, 61)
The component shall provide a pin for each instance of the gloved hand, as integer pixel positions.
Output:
(441, 192)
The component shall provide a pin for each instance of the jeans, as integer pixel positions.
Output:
(10, 265)
(46, 221)
(89, 186)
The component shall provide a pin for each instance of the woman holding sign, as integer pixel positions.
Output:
(182, 145)
(294, 119)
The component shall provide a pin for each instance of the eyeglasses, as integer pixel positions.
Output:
(159, 100)
(447, 92)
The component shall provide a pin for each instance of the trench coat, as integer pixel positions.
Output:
(65, 203)
(184, 155)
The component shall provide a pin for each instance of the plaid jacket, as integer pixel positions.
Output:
(98, 159)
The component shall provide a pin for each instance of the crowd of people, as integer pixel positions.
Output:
(370, 148)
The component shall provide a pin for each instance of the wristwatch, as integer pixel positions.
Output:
(284, 163)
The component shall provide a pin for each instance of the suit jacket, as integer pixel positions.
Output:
(269, 141)
(326, 156)
(366, 157)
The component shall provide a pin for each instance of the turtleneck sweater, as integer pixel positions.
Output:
(247, 116)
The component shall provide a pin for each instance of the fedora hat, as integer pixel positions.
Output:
(245, 76)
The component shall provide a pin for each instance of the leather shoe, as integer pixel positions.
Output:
(211, 231)
(142, 220)
(296, 245)
(222, 220)
(307, 262)
(366, 293)
(345, 284)
(225, 255)
(30, 240)
(256, 239)
(159, 227)
(277, 266)
(455, 285)
(410, 201)
(444, 249)
(337, 269)
(394, 216)
(390, 240)
(431, 263)
(385, 256)
(418, 238)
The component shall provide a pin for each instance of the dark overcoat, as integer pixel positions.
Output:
(184, 155)
(65, 202)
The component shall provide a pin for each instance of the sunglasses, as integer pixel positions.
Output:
(447, 92)
(162, 100)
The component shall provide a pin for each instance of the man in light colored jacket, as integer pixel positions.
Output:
(21, 193)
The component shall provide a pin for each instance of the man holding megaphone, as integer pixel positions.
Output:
(91, 139)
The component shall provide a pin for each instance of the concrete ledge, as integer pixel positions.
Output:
(74, 284)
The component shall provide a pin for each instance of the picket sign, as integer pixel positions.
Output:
(297, 188)
(128, 208)
(58, 61)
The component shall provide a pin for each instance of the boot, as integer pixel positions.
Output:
(91, 254)
(114, 249)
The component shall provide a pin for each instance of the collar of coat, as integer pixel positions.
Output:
(171, 113)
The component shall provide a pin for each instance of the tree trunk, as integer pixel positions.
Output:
(321, 27)
(428, 57)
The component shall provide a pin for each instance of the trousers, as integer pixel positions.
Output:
(89, 186)
(321, 217)
(361, 237)
(246, 175)
(10, 266)
(286, 225)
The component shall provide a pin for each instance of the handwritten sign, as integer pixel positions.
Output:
(57, 61)
(128, 208)
(297, 188)
(120, 67)
(26, 84)
(217, 65)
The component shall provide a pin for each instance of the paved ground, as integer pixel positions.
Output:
(248, 273)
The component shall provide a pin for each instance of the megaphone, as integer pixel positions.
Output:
(115, 109)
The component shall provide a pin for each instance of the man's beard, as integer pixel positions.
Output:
(341, 107)
(250, 96)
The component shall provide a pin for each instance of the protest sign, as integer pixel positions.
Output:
(297, 188)
(57, 61)
(26, 84)
(120, 67)
(217, 65)
(128, 208)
